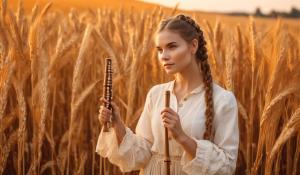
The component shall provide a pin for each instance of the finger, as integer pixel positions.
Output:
(165, 112)
(103, 100)
(105, 113)
(170, 126)
(168, 121)
(105, 110)
(168, 115)
(102, 107)
(169, 110)
(104, 118)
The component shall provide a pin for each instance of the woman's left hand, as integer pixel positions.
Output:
(171, 121)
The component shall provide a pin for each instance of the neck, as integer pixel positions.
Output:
(189, 78)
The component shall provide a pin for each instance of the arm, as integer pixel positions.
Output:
(125, 149)
(218, 157)
(120, 131)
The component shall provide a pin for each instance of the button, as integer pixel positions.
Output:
(180, 105)
(185, 99)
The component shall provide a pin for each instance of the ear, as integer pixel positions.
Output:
(194, 45)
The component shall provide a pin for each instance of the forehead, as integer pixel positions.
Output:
(167, 36)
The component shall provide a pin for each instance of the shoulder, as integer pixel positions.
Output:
(157, 91)
(223, 97)
(159, 88)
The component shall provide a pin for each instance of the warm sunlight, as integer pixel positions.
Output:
(231, 5)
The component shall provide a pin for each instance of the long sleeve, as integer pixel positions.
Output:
(218, 157)
(134, 152)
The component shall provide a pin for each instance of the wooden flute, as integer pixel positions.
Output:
(107, 88)
(167, 154)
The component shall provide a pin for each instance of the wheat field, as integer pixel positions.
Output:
(51, 76)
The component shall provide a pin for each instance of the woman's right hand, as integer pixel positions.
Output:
(106, 115)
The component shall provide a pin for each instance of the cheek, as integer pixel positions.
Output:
(180, 53)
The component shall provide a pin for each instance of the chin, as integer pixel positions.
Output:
(171, 72)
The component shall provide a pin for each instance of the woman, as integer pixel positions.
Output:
(202, 119)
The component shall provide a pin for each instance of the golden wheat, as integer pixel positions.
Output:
(51, 71)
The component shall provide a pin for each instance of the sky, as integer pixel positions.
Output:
(231, 5)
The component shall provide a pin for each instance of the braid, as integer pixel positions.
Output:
(202, 56)
(209, 112)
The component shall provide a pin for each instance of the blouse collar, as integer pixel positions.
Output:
(197, 90)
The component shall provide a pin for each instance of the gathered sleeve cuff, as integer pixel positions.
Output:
(209, 160)
(132, 153)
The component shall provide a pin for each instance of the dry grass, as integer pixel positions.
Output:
(51, 75)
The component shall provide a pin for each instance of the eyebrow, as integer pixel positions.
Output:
(170, 43)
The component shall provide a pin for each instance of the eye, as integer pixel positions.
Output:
(159, 50)
(172, 46)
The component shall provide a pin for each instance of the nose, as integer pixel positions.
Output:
(164, 55)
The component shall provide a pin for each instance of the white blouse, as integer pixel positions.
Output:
(144, 150)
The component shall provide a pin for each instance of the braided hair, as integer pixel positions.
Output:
(188, 29)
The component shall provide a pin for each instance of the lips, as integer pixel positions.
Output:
(168, 64)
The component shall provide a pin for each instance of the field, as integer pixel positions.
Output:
(51, 76)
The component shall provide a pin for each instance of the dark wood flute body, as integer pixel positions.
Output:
(107, 88)
(167, 153)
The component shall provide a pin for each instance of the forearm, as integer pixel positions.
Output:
(188, 144)
(120, 131)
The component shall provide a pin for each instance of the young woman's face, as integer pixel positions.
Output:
(174, 53)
